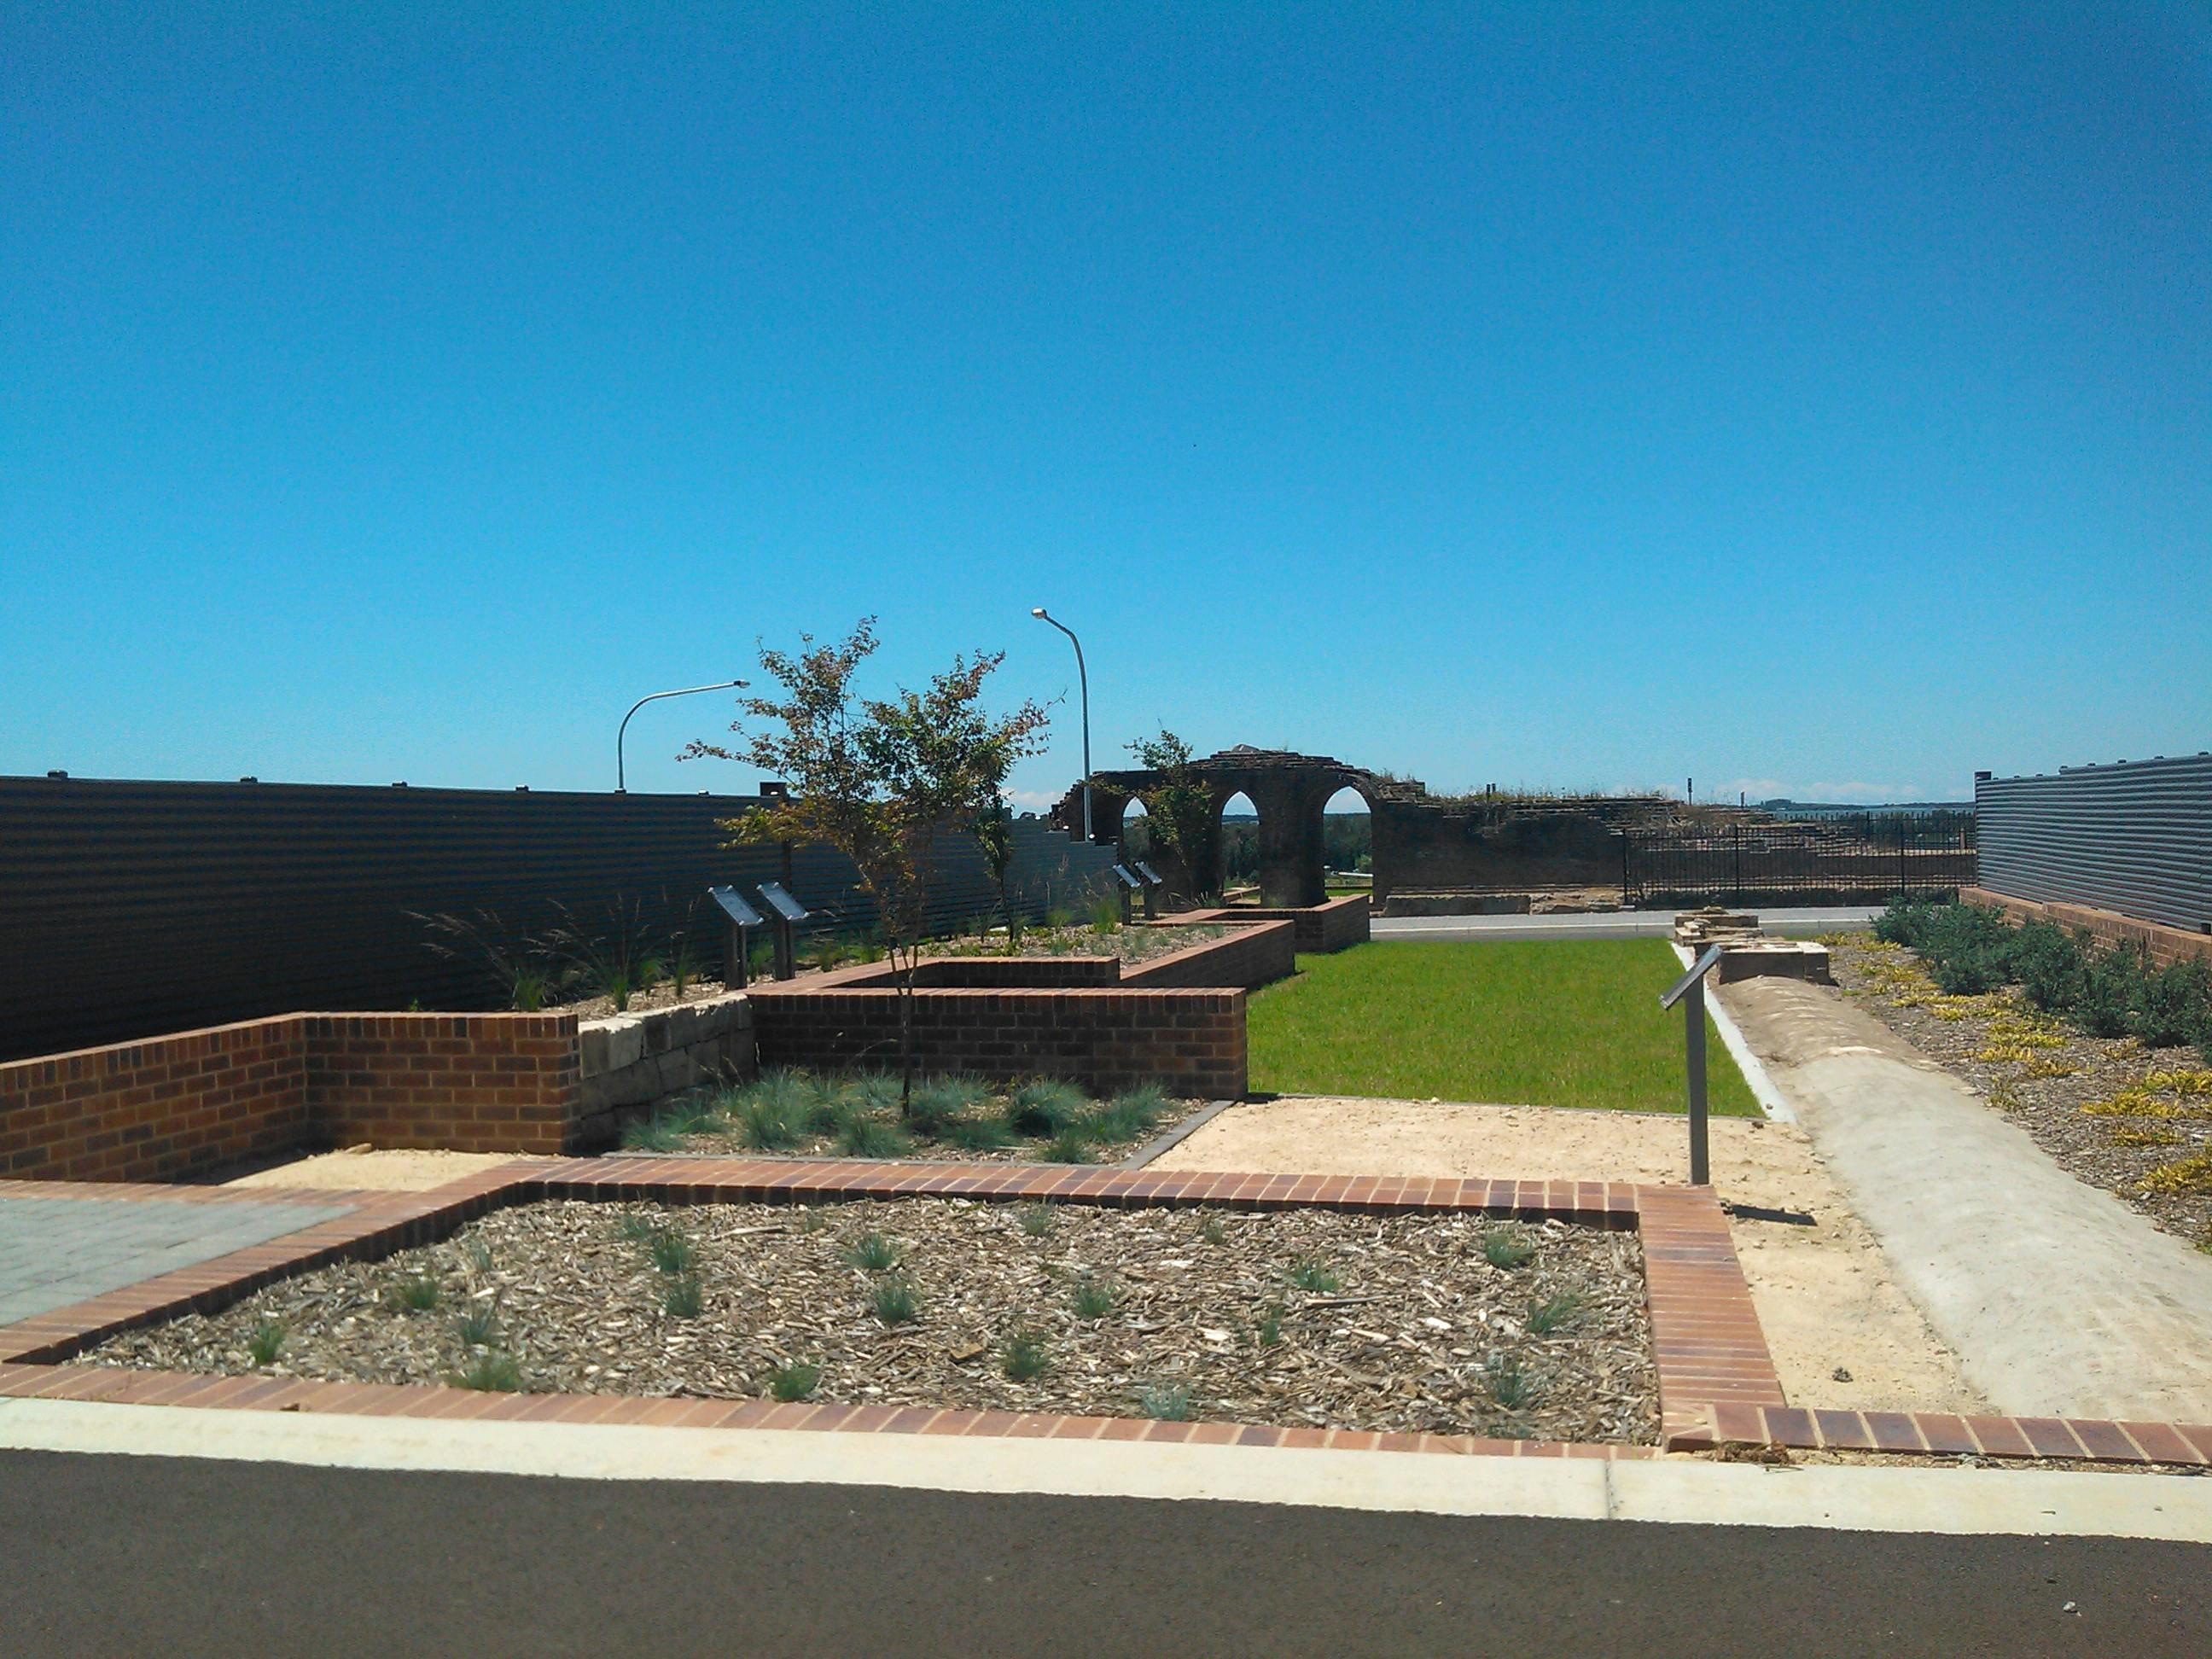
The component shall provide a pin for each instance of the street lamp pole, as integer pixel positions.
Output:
(620, 778)
(1083, 680)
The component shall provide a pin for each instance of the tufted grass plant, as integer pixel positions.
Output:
(1507, 1248)
(1044, 1106)
(795, 1381)
(1310, 1274)
(1027, 1355)
(895, 1301)
(266, 1340)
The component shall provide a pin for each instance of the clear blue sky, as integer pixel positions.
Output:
(1817, 401)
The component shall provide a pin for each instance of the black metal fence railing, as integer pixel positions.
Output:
(1862, 860)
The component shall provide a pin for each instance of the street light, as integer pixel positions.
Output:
(1083, 680)
(683, 691)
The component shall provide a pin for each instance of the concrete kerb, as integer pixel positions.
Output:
(1949, 1502)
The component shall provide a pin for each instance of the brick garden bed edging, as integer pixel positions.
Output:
(1705, 1338)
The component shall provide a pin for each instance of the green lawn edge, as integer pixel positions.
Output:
(1572, 1022)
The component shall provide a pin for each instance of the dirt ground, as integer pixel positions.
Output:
(387, 1171)
(1842, 1332)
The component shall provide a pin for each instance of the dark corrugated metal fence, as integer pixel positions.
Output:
(132, 909)
(2134, 836)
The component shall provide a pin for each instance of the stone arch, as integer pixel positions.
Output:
(1231, 867)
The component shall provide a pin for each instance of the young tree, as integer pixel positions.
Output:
(879, 780)
(1179, 810)
(994, 836)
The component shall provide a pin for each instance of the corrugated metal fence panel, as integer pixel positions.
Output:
(2135, 837)
(132, 909)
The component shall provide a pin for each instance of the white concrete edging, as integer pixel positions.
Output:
(2035, 1503)
(1771, 1099)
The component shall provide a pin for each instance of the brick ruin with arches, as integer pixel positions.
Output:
(1422, 843)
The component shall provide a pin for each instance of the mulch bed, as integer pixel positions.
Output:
(731, 1143)
(2044, 1085)
(1420, 1332)
(1133, 943)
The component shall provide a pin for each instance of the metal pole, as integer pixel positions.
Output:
(1083, 679)
(623, 730)
(1693, 1016)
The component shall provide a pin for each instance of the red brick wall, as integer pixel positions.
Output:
(2167, 945)
(1335, 925)
(1191, 1042)
(177, 1105)
(1247, 957)
(153, 1110)
(470, 1083)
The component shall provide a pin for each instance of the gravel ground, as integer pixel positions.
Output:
(2084, 1099)
(1421, 1332)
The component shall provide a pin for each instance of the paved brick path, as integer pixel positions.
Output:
(58, 1251)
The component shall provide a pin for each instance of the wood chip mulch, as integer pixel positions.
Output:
(2043, 1074)
(1420, 1331)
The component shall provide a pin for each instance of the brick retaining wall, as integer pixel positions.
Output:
(1190, 1042)
(153, 1110)
(194, 1101)
(1247, 957)
(2167, 945)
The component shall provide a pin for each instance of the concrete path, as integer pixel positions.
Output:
(2059, 1299)
(54, 1251)
(183, 1556)
(1614, 924)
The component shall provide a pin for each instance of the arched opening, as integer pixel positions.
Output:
(1238, 841)
(1136, 837)
(1347, 842)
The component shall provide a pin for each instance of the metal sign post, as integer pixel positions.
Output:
(785, 913)
(1153, 885)
(1690, 992)
(1128, 882)
(737, 947)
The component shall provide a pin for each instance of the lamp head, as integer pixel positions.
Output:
(1036, 611)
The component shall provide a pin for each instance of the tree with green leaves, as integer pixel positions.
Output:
(1181, 813)
(877, 779)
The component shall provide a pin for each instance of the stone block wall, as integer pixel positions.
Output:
(628, 1062)
(2166, 945)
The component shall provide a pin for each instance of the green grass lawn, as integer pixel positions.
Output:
(1534, 1022)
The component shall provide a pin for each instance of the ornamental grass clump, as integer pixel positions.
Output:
(685, 1297)
(491, 1372)
(1044, 1106)
(1027, 1356)
(1035, 1219)
(860, 1135)
(1092, 1299)
(794, 1381)
(895, 1301)
(1554, 1312)
(1312, 1274)
(414, 1293)
(875, 1253)
(1170, 1402)
(1068, 1145)
(1506, 1247)
(265, 1341)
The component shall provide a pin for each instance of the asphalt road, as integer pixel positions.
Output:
(1616, 924)
(115, 1554)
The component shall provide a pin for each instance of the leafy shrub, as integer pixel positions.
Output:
(2112, 990)
(1903, 922)
(2049, 963)
(2173, 1004)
